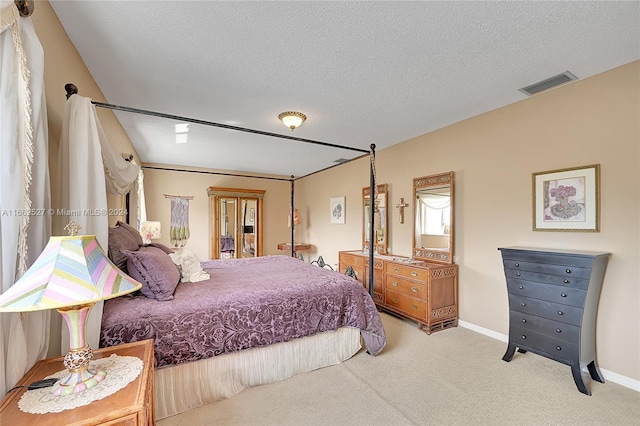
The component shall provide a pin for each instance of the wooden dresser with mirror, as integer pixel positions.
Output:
(422, 288)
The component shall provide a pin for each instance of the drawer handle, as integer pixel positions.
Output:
(558, 330)
(414, 274)
(521, 287)
(524, 337)
(523, 304)
(517, 265)
(395, 284)
(524, 321)
(395, 269)
(563, 294)
(395, 300)
(560, 313)
(518, 274)
(568, 271)
(414, 289)
(415, 306)
(566, 281)
(558, 348)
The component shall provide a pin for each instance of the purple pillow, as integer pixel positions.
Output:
(155, 270)
(120, 239)
(161, 247)
(133, 231)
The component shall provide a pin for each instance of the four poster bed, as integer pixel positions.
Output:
(253, 321)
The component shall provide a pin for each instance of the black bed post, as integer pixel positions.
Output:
(291, 222)
(372, 194)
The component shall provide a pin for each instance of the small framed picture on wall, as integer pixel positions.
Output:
(338, 209)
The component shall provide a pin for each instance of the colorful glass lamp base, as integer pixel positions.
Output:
(78, 381)
(80, 377)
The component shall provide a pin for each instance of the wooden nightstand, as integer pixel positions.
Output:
(132, 405)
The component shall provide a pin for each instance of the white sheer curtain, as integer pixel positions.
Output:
(25, 220)
(88, 165)
(432, 213)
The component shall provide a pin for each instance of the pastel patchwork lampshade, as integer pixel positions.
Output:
(150, 231)
(70, 275)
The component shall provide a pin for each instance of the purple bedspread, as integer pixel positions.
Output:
(246, 303)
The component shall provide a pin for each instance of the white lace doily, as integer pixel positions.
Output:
(121, 370)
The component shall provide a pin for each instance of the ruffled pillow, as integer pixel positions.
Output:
(189, 265)
(155, 270)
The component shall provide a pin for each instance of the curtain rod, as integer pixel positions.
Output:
(186, 197)
(171, 169)
(25, 7)
(72, 89)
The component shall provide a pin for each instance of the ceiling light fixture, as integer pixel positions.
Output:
(292, 119)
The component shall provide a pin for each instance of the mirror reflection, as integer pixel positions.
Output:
(380, 222)
(433, 218)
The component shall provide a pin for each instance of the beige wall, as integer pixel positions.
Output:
(596, 120)
(159, 182)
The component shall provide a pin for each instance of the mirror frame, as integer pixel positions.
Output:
(427, 182)
(382, 192)
(215, 194)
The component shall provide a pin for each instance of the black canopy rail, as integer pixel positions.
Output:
(72, 89)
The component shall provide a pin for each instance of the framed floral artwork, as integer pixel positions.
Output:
(338, 209)
(567, 199)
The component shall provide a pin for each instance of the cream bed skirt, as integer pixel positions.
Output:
(186, 386)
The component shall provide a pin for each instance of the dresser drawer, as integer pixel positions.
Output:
(548, 257)
(555, 329)
(563, 280)
(407, 271)
(539, 343)
(351, 260)
(552, 293)
(408, 304)
(555, 311)
(405, 286)
(545, 268)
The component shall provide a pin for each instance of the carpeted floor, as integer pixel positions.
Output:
(452, 377)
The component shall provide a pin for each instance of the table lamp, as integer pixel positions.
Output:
(150, 231)
(71, 275)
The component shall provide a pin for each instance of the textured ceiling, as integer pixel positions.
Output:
(363, 72)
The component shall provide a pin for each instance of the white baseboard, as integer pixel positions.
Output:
(625, 381)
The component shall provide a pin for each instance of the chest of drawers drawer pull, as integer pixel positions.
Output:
(396, 270)
(523, 304)
(414, 306)
(414, 289)
(517, 265)
(558, 348)
(568, 271)
(563, 294)
(521, 287)
(558, 330)
(566, 281)
(518, 274)
(395, 300)
(560, 313)
(524, 337)
(414, 274)
(524, 321)
(395, 283)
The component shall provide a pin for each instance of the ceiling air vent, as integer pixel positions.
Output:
(543, 85)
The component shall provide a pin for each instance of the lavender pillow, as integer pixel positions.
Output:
(133, 231)
(155, 270)
(161, 246)
(120, 239)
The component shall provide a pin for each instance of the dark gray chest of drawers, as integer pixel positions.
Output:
(553, 301)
